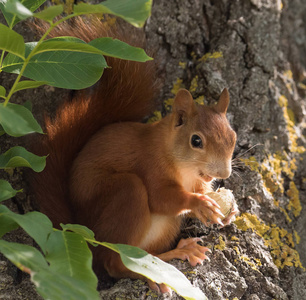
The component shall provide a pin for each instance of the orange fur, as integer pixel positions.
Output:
(127, 181)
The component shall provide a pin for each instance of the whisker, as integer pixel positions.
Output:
(242, 164)
(238, 169)
(238, 156)
(235, 173)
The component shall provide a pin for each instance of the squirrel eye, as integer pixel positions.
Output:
(196, 141)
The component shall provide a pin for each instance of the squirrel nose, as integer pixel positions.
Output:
(224, 174)
(221, 171)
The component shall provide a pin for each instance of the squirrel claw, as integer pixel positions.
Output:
(159, 288)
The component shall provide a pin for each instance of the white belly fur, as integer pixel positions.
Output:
(160, 227)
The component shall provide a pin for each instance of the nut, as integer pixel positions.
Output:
(224, 198)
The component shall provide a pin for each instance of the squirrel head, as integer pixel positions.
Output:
(204, 141)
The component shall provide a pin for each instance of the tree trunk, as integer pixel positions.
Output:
(255, 48)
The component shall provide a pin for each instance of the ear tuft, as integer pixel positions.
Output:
(223, 102)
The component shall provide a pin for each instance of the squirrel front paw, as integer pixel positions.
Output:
(208, 210)
(186, 249)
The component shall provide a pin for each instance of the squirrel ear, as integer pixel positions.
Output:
(223, 102)
(183, 106)
(183, 102)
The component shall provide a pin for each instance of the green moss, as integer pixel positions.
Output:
(279, 240)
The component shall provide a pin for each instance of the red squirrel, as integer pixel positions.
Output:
(131, 182)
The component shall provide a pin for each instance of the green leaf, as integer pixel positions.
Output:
(49, 283)
(20, 157)
(56, 286)
(13, 62)
(28, 84)
(50, 13)
(35, 224)
(17, 121)
(139, 261)
(12, 19)
(135, 12)
(11, 41)
(79, 229)
(2, 91)
(1, 130)
(32, 5)
(23, 256)
(17, 8)
(6, 223)
(28, 105)
(6, 190)
(65, 39)
(115, 48)
(63, 69)
(66, 45)
(68, 254)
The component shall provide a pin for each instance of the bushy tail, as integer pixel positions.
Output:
(124, 93)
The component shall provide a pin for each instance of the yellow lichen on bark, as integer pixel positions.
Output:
(279, 240)
(221, 245)
(210, 55)
(156, 117)
(200, 100)
(182, 64)
(176, 86)
(289, 118)
(294, 200)
(272, 170)
(194, 84)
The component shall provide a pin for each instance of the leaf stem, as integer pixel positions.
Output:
(1, 59)
(32, 53)
(26, 61)
(24, 268)
(100, 243)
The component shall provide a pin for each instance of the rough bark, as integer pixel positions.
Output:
(257, 49)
